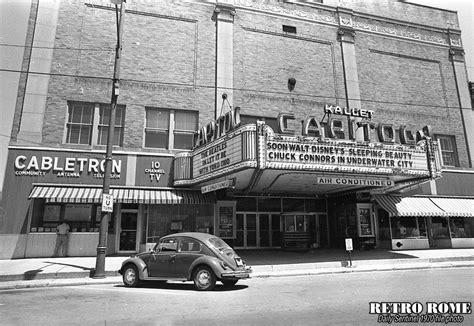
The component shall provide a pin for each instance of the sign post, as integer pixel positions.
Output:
(99, 271)
(107, 203)
(349, 248)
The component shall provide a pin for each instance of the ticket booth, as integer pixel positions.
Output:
(296, 233)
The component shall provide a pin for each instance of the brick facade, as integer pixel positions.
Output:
(402, 58)
(168, 61)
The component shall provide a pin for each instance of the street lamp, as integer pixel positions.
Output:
(102, 246)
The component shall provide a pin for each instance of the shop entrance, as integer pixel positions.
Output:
(128, 230)
(257, 230)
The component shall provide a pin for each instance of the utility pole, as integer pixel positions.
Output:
(104, 222)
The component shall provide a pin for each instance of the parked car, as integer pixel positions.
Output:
(192, 256)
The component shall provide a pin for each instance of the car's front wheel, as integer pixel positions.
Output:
(130, 276)
(229, 283)
(204, 279)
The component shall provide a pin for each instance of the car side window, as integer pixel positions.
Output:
(189, 245)
(170, 244)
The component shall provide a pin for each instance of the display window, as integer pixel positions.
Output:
(439, 227)
(409, 227)
(166, 219)
(462, 227)
(80, 217)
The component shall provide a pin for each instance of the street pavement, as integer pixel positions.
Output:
(65, 271)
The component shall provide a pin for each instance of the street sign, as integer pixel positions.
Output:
(349, 244)
(107, 203)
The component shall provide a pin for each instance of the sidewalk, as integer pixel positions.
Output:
(43, 272)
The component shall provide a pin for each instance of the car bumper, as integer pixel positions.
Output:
(237, 274)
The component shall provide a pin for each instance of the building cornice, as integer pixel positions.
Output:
(363, 22)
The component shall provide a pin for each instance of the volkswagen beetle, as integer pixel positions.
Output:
(191, 256)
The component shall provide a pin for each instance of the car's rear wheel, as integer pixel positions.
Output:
(130, 276)
(204, 279)
(229, 283)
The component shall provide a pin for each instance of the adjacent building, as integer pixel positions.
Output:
(289, 124)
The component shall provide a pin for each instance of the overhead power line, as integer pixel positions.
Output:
(311, 96)
(56, 48)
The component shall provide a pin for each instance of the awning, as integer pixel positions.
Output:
(426, 206)
(60, 194)
(455, 206)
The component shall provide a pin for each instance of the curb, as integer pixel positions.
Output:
(85, 279)
(52, 276)
(354, 269)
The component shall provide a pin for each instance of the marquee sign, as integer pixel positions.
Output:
(313, 155)
(224, 147)
(213, 158)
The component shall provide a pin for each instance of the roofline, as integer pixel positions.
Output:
(431, 7)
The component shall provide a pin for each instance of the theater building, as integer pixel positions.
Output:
(272, 124)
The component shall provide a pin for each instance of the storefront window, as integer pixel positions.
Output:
(269, 204)
(315, 205)
(290, 223)
(246, 204)
(293, 205)
(462, 227)
(164, 219)
(439, 226)
(408, 227)
(384, 226)
(80, 217)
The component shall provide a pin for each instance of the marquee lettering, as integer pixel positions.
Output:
(216, 129)
(311, 127)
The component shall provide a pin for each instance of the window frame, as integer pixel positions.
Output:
(94, 138)
(442, 151)
(120, 128)
(171, 131)
(270, 121)
(69, 123)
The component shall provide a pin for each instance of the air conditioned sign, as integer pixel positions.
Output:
(354, 182)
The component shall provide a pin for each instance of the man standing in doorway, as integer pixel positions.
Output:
(62, 231)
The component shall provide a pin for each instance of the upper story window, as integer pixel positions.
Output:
(87, 124)
(170, 129)
(448, 148)
(79, 123)
(103, 127)
(272, 122)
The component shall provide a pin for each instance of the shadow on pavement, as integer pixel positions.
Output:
(90, 270)
(31, 275)
(278, 256)
(184, 286)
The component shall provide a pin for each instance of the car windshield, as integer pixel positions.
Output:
(219, 244)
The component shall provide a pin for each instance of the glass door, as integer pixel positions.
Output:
(269, 230)
(264, 230)
(246, 230)
(128, 230)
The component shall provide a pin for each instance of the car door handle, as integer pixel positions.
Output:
(172, 257)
